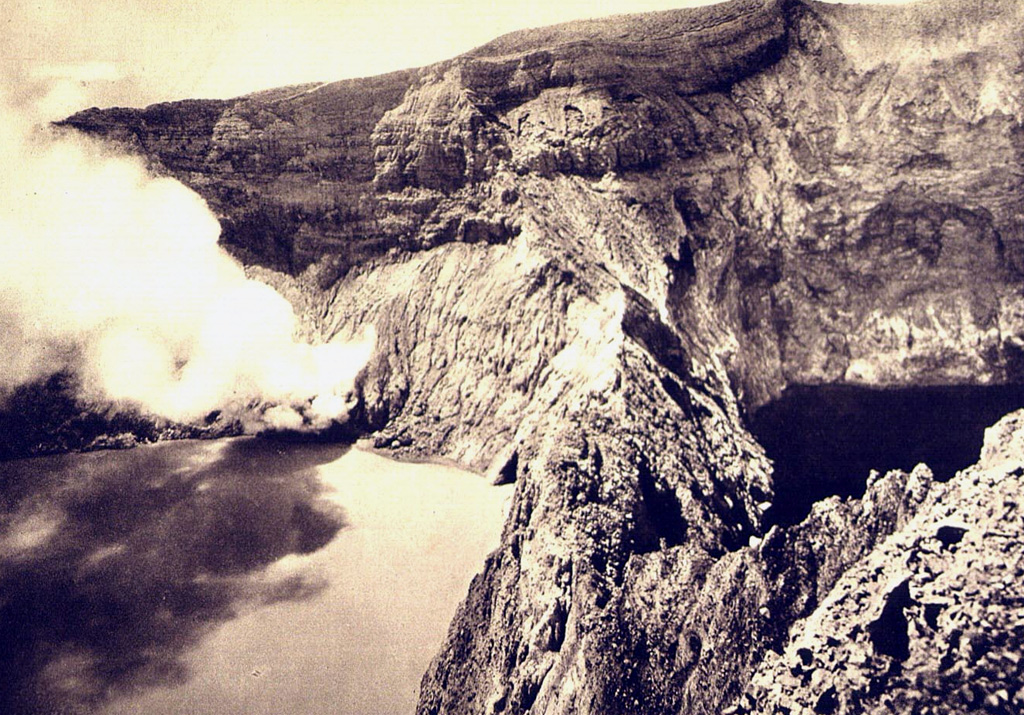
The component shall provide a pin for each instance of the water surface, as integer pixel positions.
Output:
(240, 576)
(825, 439)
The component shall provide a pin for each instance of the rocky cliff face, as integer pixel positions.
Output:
(930, 620)
(589, 252)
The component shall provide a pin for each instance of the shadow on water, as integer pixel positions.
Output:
(825, 440)
(114, 564)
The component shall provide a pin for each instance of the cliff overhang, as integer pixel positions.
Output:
(591, 252)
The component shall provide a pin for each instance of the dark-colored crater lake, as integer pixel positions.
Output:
(825, 440)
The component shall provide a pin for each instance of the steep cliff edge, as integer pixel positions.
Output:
(590, 251)
(930, 621)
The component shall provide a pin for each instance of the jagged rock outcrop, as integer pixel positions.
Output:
(930, 621)
(589, 251)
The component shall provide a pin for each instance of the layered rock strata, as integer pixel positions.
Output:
(588, 252)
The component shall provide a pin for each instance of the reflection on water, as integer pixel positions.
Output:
(215, 578)
(415, 535)
(112, 565)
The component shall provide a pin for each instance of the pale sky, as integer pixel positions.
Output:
(76, 53)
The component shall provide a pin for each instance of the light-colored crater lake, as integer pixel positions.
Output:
(237, 576)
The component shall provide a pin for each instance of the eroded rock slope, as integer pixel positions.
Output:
(931, 620)
(589, 251)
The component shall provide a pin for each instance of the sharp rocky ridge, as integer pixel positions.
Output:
(589, 252)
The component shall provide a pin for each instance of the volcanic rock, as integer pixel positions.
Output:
(589, 252)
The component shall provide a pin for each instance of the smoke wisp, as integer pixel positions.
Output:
(116, 275)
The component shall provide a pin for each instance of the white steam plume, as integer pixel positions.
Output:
(117, 275)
